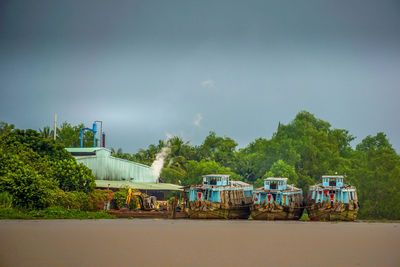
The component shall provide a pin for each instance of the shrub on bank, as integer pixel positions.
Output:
(52, 213)
(119, 199)
(5, 200)
(98, 198)
(60, 213)
(39, 173)
(10, 213)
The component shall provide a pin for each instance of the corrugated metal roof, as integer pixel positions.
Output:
(84, 149)
(275, 179)
(239, 183)
(142, 186)
(106, 167)
(216, 175)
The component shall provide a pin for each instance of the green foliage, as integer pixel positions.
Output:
(281, 169)
(303, 151)
(120, 198)
(5, 127)
(173, 174)
(28, 188)
(218, 149)
(98, 198)
(60, 213)
(34, 170)
(259, 183)
(11, 213)
(70, 135)
(38, 173)
(304, 216)
(376, 173)
(52, 213)
(5, 200)
(196, 169)
(72, 176)
(46, 132)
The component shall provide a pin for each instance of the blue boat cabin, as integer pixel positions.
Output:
(276, 190)
(213, 185)
(332, 189)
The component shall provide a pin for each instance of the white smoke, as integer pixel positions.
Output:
(158, 163)
(197, 120)
(210, 84)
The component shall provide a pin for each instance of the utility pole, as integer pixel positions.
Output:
(55, 126)
(101, 132)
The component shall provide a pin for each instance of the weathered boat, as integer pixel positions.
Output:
(277, 201)
(332, 200)
(219, 198)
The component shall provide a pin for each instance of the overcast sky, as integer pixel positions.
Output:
(148, 69)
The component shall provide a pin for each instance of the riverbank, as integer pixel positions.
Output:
(152, 242)
(52, 213)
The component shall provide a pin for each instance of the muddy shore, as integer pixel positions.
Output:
(151, 242)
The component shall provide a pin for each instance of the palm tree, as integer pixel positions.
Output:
(46, 132)
(5, 127)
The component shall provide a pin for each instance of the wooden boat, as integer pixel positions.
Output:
(148, 214)
(332, 200)
(219, 198)
(277, 201)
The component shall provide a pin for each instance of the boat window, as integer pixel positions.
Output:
(351, 195)
(274, 185)
(213, 181)
(332, 182)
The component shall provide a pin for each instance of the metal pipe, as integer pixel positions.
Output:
(101, 132)
(94, 130)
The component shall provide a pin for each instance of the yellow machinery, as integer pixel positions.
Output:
(144, 203)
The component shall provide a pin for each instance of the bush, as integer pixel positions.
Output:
(10, 213)
(39, 173)
(52, 213)
(28, 188)
(60, 213)
(120, 199)
(98, 198)
(5, 200)
(72, 176)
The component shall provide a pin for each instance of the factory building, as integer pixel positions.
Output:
(114, 173)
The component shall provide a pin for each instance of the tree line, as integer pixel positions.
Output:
(302, 150)
(37, 173)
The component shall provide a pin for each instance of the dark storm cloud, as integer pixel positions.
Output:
(151, 68)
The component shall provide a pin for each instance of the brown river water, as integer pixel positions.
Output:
(157, 242)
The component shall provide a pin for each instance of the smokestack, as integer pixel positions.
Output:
(103, 140)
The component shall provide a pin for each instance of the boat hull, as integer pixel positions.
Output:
(336, 212)
(209, 210)
(275, 212)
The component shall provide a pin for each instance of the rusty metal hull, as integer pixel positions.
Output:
(275, 212)
(147, 214)
(335, 212)
(208, 210)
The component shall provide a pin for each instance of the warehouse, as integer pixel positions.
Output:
(114, 173)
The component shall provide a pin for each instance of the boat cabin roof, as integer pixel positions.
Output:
(332, 176)
(239, 184)
(216, 175)
(275, 179)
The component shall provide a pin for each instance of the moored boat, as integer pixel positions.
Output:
(219, 198)
(332, 200)
(277, 201)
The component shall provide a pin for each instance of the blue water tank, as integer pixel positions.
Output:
(94, 127)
